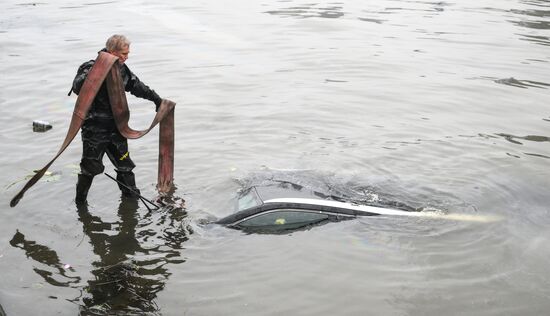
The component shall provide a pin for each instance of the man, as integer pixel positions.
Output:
(99, 132)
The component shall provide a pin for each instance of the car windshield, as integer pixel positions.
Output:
(285, 219)
(249, 199)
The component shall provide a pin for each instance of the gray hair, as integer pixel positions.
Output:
(116, 43)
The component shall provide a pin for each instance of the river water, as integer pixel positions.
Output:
(434, 105)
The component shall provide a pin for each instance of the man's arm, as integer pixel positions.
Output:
(141, 90)
(81, 75)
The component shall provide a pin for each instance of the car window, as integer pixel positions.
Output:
(248, 200)
(284, 219)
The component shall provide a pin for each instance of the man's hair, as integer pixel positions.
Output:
(116, 43)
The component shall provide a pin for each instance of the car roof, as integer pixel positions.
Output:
(289, 190)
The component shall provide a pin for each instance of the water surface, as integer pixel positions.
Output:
(440, 105)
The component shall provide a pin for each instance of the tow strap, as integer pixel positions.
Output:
(106, 68)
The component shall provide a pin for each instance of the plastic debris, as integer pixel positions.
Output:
(37, 286)
(41, 126)
(280, 221)
(66, 266)
(48, 177)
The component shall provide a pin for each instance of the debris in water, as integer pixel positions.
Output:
(48, 177)
(37, 286)
(41, 126)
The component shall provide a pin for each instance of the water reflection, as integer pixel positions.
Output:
(310, 11)
(373, 20)
(541, 40)
(514, 139)
(533, 138)
(335, 10)
(133, 252)
(537, 19)
(132, 257)
(542, 25)
(426, 7)
(522, 83)
(50, 269)
(535, 23)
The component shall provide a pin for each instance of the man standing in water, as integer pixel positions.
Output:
(99, 132)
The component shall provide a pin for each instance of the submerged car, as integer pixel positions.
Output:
(289, 207)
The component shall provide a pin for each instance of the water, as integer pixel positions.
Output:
(428, 104)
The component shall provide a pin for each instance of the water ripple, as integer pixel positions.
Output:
(309, 11)
(522, 83)
(371, 101)
(533, 138)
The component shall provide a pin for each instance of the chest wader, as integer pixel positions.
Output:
(100, 137)
(107, 69)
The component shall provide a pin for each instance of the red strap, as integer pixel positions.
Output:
(165, 115)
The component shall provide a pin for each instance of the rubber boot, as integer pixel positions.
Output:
(129, 188)
(82, 187)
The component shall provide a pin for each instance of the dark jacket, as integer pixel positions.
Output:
(101, 107)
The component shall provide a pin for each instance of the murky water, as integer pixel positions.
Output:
(428, 104)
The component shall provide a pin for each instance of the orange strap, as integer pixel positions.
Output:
(106, 68)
